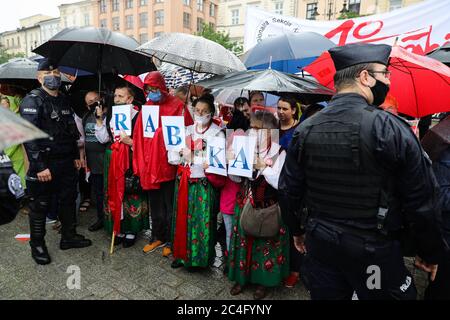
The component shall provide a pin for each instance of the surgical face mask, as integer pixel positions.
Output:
(52, 82)
(202, 120)
(379, 92)
(154, 96)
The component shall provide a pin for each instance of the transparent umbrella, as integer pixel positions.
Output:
(15, 130)
(192, 52)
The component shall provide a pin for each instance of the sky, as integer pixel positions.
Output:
(13, 10)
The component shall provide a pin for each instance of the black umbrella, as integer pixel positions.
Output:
(96, 50)
(266, 80)
(21, 73)
(110, 82)
(442, 54)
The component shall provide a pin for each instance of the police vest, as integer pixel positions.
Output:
(58, 122)
(344, 180)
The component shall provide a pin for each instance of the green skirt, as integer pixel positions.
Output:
(201, 228)
(268, 264)
(135, 207)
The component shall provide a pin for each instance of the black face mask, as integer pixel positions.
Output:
(379, 91)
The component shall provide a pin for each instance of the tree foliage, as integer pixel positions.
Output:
(349, 15)
(220, 37)
(5, 56)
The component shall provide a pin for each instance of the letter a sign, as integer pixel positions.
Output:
(244, 154)
(150, 120)
(174, 133)
(121, 118)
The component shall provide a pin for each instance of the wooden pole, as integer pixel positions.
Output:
(112, 243)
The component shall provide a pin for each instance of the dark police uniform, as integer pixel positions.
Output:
(437, 144)
(366, 185)
(11, 190)
(54, 116)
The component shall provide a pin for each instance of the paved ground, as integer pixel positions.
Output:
(127, 274)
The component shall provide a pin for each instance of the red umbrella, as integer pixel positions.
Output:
(420, 84)
(134, 80)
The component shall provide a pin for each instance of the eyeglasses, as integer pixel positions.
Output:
(386, 73)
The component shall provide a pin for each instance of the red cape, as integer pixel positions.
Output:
(120, 162)
(150, 161)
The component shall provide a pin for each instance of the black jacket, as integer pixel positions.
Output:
(54, 116)
(398, 151)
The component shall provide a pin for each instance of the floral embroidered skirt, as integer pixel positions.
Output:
(268, 262)
(135, 207)
(202, 206)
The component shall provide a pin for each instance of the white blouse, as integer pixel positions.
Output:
(199, 156)
(272, 174)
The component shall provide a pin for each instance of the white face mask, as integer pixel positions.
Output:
(202, 120)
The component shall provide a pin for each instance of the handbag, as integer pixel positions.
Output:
(260, 223)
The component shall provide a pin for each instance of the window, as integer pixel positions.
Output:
(186, 20)
(187, 2)
(395, 4)
(279, 8)
(199, 24)
(157, 34)
(128, 4)
(212, 9)
(103, 6)
(310, 9)
(212, 25)
(18, 41)
(354, 5)
(65, 22)
(103, 23)
(129, 22)
(87, 19)
(143, 3)
(159, 17)
(115, 5)
(116, 23)
(200, 5)
(143, 38)
(7, 43)
(159, 1)
(235, 16)
(143, 20)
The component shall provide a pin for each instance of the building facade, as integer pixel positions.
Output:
(26, 38)
(333, 9)
(78, 14)
(232, 13)
(49, 28)
(146, 19)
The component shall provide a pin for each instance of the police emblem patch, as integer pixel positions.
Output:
(15, 186)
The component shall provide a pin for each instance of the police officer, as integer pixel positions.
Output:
(53, 162)
(366, 184)
(11, 190)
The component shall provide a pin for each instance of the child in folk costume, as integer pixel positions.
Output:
(195, 194)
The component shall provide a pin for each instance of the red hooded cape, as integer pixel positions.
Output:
(150, 161)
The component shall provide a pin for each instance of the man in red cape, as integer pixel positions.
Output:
(151, 164)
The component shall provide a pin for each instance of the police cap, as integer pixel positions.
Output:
(47, 65)
(357, 53)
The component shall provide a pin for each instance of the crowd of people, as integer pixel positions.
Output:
(320, 164)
